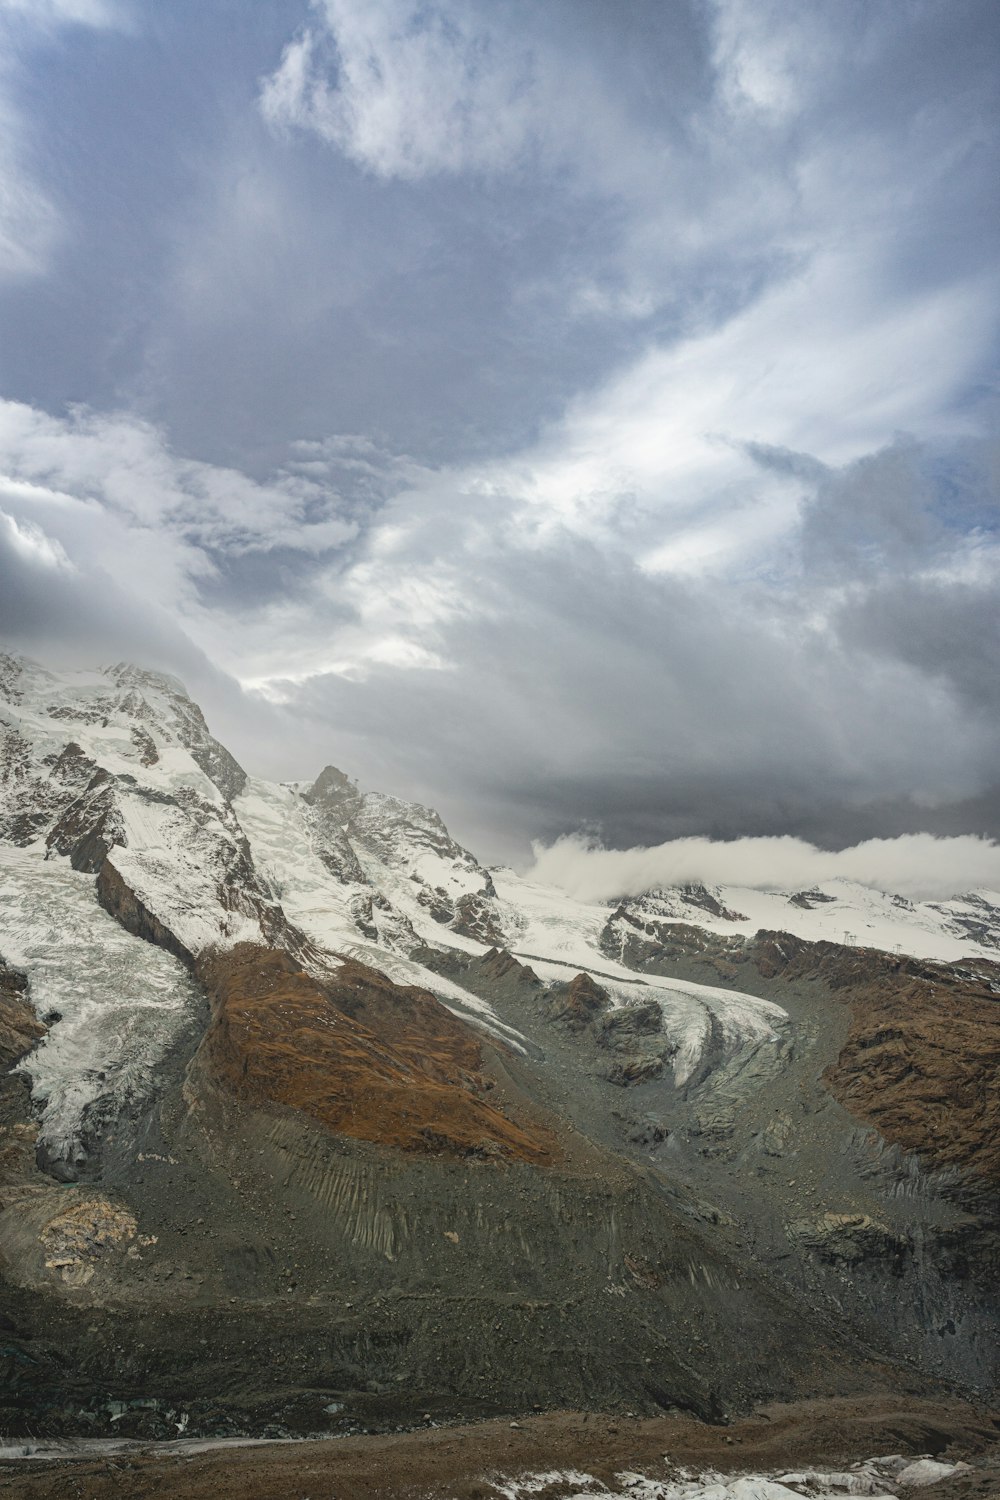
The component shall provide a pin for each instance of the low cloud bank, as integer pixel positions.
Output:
(919, 865)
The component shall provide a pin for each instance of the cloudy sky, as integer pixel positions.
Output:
(576, 414)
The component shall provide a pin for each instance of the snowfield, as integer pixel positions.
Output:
(880, 1478)
(121, 1002)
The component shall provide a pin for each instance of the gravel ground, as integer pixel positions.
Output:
(459, 1462)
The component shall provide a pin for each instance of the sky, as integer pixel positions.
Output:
(581, 417)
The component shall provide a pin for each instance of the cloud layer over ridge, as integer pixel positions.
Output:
(917, 866)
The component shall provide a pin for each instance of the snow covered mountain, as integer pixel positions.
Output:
(114, 773)
(227, 970)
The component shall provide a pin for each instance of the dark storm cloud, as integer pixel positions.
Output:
(571, 415)
(50, 608)
(592, 695)
(946, 631)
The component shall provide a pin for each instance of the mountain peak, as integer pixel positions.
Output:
(127, 675)
(330, 786)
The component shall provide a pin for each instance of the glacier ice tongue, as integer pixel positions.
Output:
(121, 1003)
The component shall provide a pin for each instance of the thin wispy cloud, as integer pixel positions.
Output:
(30, 222)
(48, 13)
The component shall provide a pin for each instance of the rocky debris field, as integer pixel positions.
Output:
(558, 1455)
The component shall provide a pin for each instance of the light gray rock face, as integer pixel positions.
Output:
(927, 1471)
(848, 1239)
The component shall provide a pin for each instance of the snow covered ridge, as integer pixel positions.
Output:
(839, 911)
(118, 767)
(114, 773)
(119, 764)
(919, 866)
(915, 891)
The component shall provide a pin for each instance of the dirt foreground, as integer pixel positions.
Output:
(458, 1462)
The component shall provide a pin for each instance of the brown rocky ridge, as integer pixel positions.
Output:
(20, 1029)
(579, 1002)
(365, 1057)
(922, 1058)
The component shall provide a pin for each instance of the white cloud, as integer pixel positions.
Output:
(452, 632)
(918, 866)
(127, 466)
(107, 493)
(764, 57)
(827, 363)
(31, 544)
(634, 593)
(412, 90)
(418, 89)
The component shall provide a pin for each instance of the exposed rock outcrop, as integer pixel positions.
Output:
(365, 1057)
(578, 1003)
(848, 1239)
(699, 896)
(120, 900)
(90, 826)
(477, 916)
(634, 935)
(807, 900)
(620, 1028)
(922, 1058)
(637, 1069)
(20, 1028)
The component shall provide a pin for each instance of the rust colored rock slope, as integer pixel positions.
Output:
(922, 1057)
(20, 1028)
(365, 1057)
